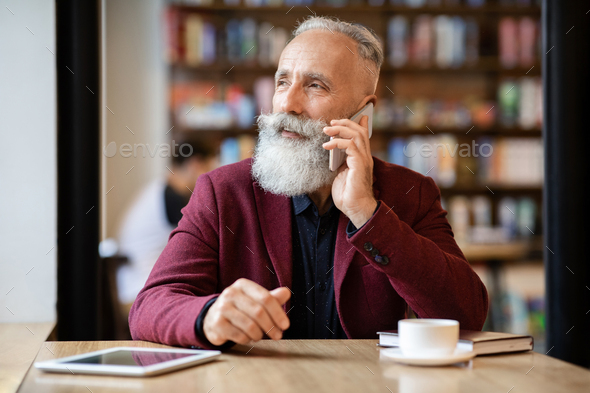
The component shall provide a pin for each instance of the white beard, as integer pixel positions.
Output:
(288, 166)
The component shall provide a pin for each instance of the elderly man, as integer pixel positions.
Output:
(280, 246)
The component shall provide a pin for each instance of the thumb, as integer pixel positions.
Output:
(364, 121)
(282, 294)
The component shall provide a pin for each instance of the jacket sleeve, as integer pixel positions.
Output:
(423, 262)
(184, 277)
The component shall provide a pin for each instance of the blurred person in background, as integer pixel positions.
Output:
(155, 212)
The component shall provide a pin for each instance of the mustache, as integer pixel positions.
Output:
(304, 126)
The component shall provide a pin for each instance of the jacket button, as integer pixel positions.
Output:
(368, 246)
(379, 259)
(374, 252)
(385, 260)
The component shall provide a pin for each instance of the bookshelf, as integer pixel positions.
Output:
(456, 102)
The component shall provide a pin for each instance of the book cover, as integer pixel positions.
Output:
(483, 343)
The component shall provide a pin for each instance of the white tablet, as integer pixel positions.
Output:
(129, 361)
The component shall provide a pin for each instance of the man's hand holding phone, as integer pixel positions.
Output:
(352, 190)
(246, 311)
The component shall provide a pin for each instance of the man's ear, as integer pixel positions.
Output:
(371, 98)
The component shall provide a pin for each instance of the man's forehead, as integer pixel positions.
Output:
(318, 51)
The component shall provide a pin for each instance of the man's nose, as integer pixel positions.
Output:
(292, 101)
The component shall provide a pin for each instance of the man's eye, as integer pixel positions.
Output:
(315, 85)
(280, 83)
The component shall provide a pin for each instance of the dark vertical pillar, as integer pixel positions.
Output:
(78, 168)
(566, 81)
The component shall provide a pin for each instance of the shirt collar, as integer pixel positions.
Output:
(300, 203)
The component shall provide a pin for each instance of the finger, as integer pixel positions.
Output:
(225, 330)
(243, 322)
(343, 144)
(362, 128)
(282, 294)
(347, 133)
(365, 124)
(270, 303)
(258, 314)
(342, 132)
(351, 130)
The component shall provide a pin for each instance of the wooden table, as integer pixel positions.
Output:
(19, 344)
(319, 366)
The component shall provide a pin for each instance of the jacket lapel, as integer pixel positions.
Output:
(274, 214)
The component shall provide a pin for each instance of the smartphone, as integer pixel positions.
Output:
(338, 156)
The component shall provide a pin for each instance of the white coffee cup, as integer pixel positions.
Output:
(428, 338)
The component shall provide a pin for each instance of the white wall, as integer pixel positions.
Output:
(28, 182)
(135, 87)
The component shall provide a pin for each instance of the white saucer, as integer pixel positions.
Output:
(460, 355)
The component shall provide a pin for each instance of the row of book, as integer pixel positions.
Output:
(453, 41)
(458, 3)
(491, 162)
(419, 113)
(471, 218)
(214, 105)
(341, 3)
(210, 104)
(444, 41)
(195, 40)
(519, 104)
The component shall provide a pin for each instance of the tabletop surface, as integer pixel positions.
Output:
(318, 366)
(19, 344)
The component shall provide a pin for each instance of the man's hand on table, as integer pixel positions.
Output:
(246, 311)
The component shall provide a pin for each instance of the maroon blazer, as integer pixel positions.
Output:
(231, 228)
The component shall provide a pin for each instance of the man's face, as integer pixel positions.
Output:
(317, 77)
(317, 80)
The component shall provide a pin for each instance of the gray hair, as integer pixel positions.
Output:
(368, 44)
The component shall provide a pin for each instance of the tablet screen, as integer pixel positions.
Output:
(130, 358)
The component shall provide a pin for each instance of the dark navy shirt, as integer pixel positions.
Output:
(313, 313)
